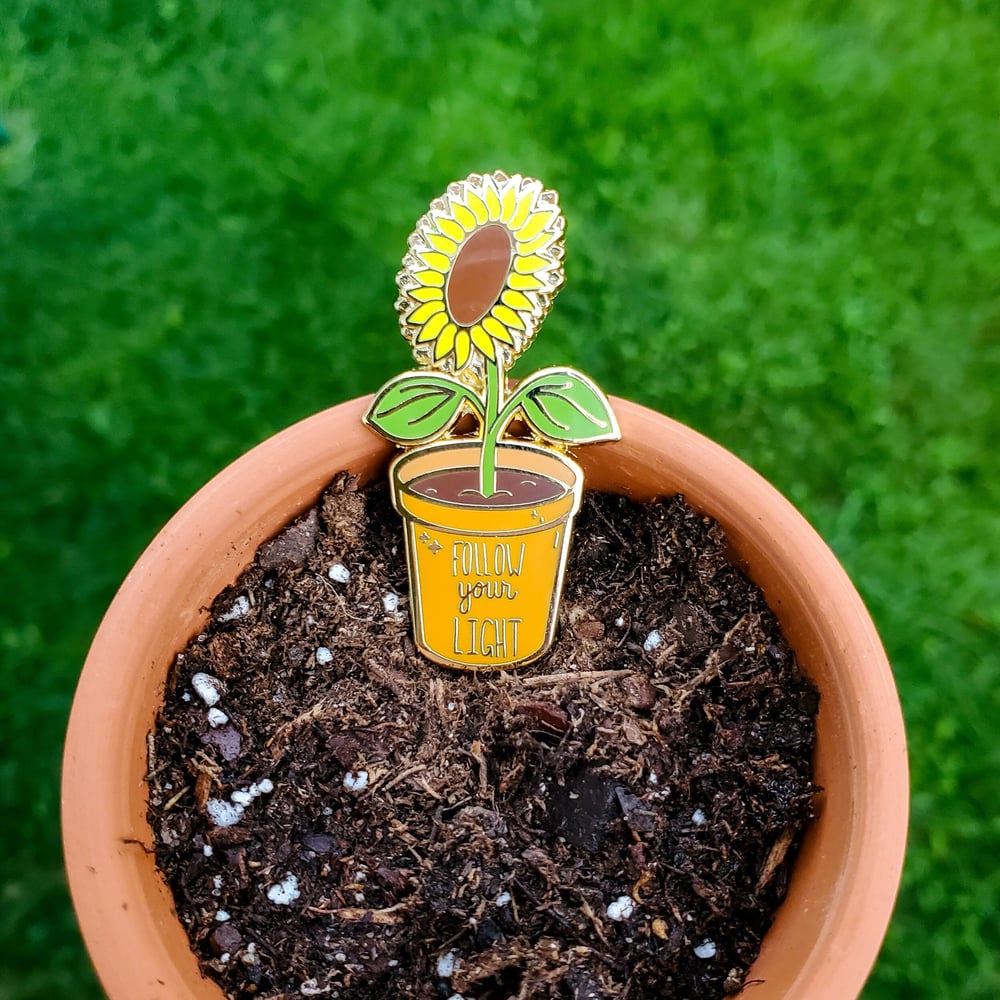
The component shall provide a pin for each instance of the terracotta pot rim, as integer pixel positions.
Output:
(825, 937)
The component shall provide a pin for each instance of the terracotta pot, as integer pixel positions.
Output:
(827, 933)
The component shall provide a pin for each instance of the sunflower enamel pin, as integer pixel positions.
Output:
(487, 513)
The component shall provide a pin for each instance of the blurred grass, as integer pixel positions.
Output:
(783, 230)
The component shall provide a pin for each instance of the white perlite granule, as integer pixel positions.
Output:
(285, 892)
(223, 813)
(240, 609)
(339, 573)
(503, 899)
(208, 688)
(390, 602)
(356, 781)
(698, 817)
(222, 916)
(706, 949)
(216, 717)
(622, 908)
(446, 965)
(323, 655)
(653, 641)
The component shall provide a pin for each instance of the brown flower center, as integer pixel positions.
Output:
(479, 274)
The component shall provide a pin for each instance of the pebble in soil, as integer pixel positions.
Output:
(616, 820)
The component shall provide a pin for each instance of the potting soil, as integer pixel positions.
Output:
(338, 817)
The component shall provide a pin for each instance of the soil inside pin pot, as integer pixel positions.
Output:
(336, 816)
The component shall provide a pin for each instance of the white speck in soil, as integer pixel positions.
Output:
(186, 696)
(340, 957)
(339, 573)
(222, 916)
(207, 850)
(446, 965)
(621, 909)
(620, 621)
(324, 656)
(223, 813)
(242, 799)
(452, 706)
(285, 892)
(216, 717)
(698, 817)
(706, 949)
(390, 602)
(503, 899)
(653, 641)
(356, 781)
(265, 786)
(207, 687)
(240, 609)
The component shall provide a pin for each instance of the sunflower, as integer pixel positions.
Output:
(482, 269)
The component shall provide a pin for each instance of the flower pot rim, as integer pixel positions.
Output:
(825, 937)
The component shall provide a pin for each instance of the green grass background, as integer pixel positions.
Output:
(783, 231)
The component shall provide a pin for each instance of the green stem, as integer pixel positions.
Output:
(492, 426)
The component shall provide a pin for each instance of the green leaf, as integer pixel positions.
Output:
(565, 405)
(417, 407)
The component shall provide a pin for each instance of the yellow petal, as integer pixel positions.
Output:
(516, 300)
(535, 224)
(530, 264)
(451, 229)
(430, 278)
(432, 328)
(438, 261)
(539, 242)
(522, 211)
(464, 217)
(493, 203)
(524, 282)
(508, 203)
(463, 349)
(423, 313)
(427, 294)
(498, 331)
(442, 243)
(481, 339)
(478, 207)
(508, 317)
(445, 342)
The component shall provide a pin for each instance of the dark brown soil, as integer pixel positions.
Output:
(513, 488)
(400, 830)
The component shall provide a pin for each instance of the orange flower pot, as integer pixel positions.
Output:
(485, 580)
(828, 931)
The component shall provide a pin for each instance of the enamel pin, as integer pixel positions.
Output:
(487, 516)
